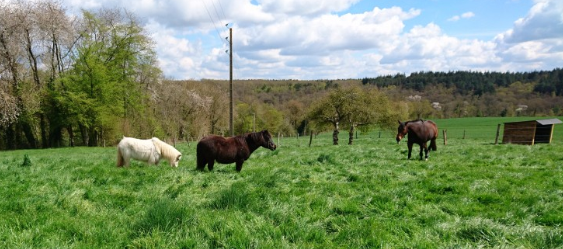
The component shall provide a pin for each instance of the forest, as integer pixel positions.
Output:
(89, 80)
(476, 83)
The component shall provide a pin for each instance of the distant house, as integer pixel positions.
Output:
(529, 132)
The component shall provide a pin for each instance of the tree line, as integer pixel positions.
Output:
(475, 83)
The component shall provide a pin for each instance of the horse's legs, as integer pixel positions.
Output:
(421, 149)
(424, 148)
(409, 145)
(239, 165)
(200, 163)
(210, 165)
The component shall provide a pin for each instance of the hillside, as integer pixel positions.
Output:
(190, 109)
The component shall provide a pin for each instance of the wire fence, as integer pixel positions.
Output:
(488, 133)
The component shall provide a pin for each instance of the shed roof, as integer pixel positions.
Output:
(549, 121)
(541, 121)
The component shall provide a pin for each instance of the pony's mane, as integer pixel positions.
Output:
(166, 150)
(255, 136)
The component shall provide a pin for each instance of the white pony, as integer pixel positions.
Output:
(149, 150)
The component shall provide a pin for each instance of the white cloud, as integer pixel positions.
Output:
(300, 7)
(536, 41)
(314, 40)
(543, 21)
(465, 15)
(427, 48)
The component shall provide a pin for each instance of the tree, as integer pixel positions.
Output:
(329, 111)
(366, 109)
(182, 111)
(8, 109)
(113, 71)
(15, 46)
(333, 109)
(218, 96)
(245, 121)
(420, 108)
(351, 108)
(295, 111)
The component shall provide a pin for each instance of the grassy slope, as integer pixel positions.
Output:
(469, 194)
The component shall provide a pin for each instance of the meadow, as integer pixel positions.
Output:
(471, 193)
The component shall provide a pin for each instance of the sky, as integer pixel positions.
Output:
(345, 39)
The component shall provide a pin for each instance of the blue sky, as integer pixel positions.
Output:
(335, 39)
(490, 16)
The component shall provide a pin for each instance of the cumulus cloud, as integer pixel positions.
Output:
(316, 40)
(543, 21)
(536, 40)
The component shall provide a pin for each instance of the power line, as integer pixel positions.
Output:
(212, 20)
(230, 51)
(222, 11)
(217, 13)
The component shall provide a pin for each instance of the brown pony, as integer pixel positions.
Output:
(232, 149)
(419, 132)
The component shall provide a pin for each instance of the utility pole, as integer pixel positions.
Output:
(231, 81)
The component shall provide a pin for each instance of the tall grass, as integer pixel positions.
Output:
(471, 193)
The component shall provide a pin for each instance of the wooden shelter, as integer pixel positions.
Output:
(529, 132)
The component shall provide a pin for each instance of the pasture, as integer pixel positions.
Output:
(470, 193)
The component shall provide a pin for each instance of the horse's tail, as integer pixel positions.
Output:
(433, 144)
(119, 158)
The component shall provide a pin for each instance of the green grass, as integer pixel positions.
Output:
(469, 194)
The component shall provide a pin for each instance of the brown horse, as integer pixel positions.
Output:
(419, 132)
(232, 149)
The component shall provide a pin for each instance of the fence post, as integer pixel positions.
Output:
(445, 134)
(498, 133)
(463, 134)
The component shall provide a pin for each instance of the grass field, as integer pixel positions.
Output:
(469, 194)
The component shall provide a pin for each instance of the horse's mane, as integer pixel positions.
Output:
(255, 136)
(165, 149)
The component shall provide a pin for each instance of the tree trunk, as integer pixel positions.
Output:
(335, 134)
(11, 143)
(28, 132)
(70, 135)
(93, 136)
(84, 134)
(44, 139)
(351, 135)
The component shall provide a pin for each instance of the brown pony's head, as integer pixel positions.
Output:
(267, 140)
(401, 131)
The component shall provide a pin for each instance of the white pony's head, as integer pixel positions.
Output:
(175, 164)
(171, 154)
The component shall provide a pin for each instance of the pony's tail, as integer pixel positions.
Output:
(119, 158)
(433, 145)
